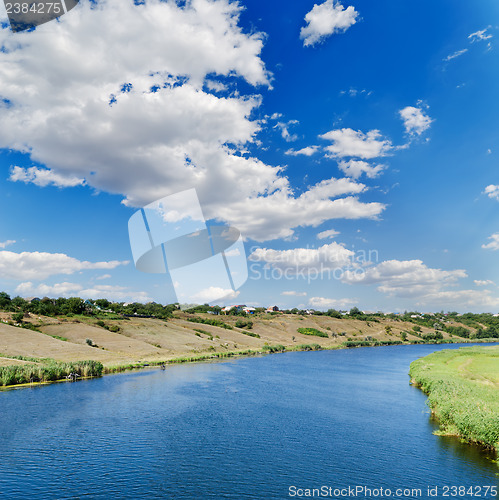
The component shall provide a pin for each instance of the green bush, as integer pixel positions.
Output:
(312, 331)
(241, 323)
(212, 322)
(273, 348)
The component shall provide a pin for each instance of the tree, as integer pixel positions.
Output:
(355, 311)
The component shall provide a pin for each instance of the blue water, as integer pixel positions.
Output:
(244, 429)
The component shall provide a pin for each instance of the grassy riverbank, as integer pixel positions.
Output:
(463, 391)
(47, 371)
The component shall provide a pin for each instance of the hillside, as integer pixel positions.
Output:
(116, 341)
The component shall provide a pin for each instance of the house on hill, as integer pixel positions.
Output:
(272, 309)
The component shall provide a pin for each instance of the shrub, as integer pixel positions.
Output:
(212, 322)
(241, 323)
(18, 317)
(273, 348)
(312, 331)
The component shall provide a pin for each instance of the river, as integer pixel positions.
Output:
(254, 428)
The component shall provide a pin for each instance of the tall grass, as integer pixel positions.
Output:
(464, 406)
(52, 371)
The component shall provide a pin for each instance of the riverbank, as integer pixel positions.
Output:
(39, 343)
(463, 392)
(35, 371)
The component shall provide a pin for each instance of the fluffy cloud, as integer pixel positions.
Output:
(281, 211)
(145, 121)
(325, 303)
(355, 168)
(307, 151)
(463, 300)
(492, 191)
(103, 277)
(348, 142)
(41, 265)
(494, 244)
(483, 282)
(292, 293)
(43, 177)
(116, 293)
(455, 54)
(214, 293)
(329, 233)
(305, 260)
(410, 278)
(326, 19)
(415, 120)
(4, 244)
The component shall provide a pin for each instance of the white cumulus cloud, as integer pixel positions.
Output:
(483, 282)
(329, 233)
(355, 168)
(143, 120)
(494, 243)
(307, 151)
(410, 278)
(492, 191)
(110, 292)
(4, 244)
(415, 120)
(326, 19)
(328, 257)
(43, 177)
(41, 265)
(355, 143)
(326, 303)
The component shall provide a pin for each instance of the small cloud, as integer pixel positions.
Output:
(325, 303)
(292, 293)
(103, 277)
(284, 128)
(233, 253)
(326, 19)
(492, 191)
(355, 168)
(43, 177)
(355, 143)
(415, 120)
(479, 36)
(5, 244)
(483, 282)
(307, 151)
(489, 151)
(494, 244)
(330, 233)
(454, 55)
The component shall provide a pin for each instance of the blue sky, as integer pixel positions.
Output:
(324, 131)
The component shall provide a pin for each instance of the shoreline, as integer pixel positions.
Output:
(241, 353)
(464, 402)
